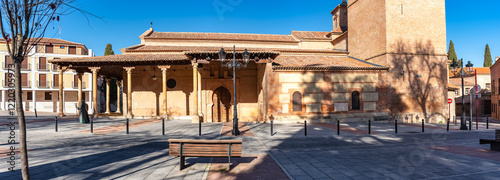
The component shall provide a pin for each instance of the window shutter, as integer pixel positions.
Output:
(72, 50)
(42, 80)
(42, 65)
(49, 49)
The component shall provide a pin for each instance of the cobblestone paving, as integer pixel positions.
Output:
(322, 154)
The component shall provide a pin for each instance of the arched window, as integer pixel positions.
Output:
(355, 101)
(297, 101)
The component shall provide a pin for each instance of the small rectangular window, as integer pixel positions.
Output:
(48, 96)
(62, 47)
(29, 96)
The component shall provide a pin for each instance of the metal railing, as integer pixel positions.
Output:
(75, 85)
(26, 84)
(43, 84)
(43, 67)
(26, 66)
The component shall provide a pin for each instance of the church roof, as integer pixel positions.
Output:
(220, 36)
(311, 35)
(156, 48)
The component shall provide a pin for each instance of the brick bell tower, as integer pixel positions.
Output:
(408, 36)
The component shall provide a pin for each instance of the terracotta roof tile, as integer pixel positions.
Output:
(480, 70)
(149, 48)
(221, 36)
(54, 41)
(323, 62)
(483, 70)
(458, 82)
(123, 58)
(311, 35)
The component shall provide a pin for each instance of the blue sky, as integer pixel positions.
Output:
(470, 24)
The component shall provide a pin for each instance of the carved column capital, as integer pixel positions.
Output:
(129, 69)
(164, 68)
(194, 63)
(95, 70)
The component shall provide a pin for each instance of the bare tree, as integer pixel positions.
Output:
(23, 23)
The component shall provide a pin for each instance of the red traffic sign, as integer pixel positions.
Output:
(450, 101)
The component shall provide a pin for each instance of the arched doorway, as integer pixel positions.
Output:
(221, 110)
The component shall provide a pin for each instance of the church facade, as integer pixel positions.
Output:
(379, 61)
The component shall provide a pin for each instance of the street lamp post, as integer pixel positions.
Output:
(234, 64)
(468, 71)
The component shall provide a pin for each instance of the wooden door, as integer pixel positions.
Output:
(221, 110)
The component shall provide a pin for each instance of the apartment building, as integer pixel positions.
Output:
(40, 79)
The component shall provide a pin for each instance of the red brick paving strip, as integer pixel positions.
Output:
(469, 151)
(343, 128)
(228, 127)
(121, 127)
(260, 166)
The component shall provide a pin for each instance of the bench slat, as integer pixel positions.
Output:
(195, 141)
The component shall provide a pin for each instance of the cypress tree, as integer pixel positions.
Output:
(488, 62)
(452, 55)
(109, 50)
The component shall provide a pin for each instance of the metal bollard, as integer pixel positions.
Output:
(396, 126)
(272, 132)
(423, 125)
(305, 128)
(448, 125)
(36, 114)
(92, 124)
(163, 126)
(470, 124)
(487, 123)
(199, 127)
(56, 123)
(338, 127)
(369, 126)
(127, 125)
(455, 119)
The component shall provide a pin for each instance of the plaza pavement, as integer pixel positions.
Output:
(74, 153)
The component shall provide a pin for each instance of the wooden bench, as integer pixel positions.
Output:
(204, 148)
(494, 143)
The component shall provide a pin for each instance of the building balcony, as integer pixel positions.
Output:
(43, 67)
(43, 84)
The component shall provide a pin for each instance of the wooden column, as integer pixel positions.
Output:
(118, 94)
(195, 88)
(94, 88)
(108, 82)
(79, 74)
(61, 70)
(164, 78)
(129, 91)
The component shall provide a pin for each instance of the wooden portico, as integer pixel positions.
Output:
(133, 71)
